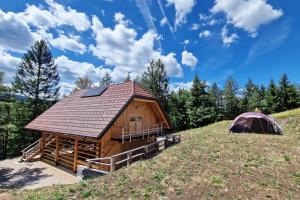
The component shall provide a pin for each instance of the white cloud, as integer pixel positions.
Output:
(205, 34)
(71, 43)
(15, 34)
(188, 59)
(56, 15)
(186, 42)
(248, 15)
(69, 16)
(195, 27)
(8, 64)
(120, 19)
(228, 40)
(163, 21)
(182, 8)
(175, 86)
(121, 48)
(70, 70)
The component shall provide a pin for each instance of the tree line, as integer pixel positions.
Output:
(204, 104)
(36, 87)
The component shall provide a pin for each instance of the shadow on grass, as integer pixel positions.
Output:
(10, 179)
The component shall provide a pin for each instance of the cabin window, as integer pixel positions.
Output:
(135, 118)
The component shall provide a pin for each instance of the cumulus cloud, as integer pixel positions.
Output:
(195, 26)
(15, 34)
(8, 64)
(120, 19)
(69, 16)
(70, 70)
(120, 47)
(248, 15)
(56, 15)
(182, 8)
(71, 43)
(175, 86)
(228, 39)
(163, 21)
(189, 59)
(205, 34)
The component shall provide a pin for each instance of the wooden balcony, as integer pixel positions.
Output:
(144, 133)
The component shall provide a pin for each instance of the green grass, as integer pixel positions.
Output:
(209, 163)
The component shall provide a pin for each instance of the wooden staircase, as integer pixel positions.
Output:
(34, 149)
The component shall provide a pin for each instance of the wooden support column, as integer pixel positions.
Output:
(56, 149)
(75, 155)
(42, 144)
(98, 152)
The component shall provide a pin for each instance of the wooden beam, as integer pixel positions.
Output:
(42, 143)
(56, 149)
(75, 155)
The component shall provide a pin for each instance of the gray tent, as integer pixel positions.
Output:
(254, 122)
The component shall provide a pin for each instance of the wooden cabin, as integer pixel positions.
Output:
(96, 123)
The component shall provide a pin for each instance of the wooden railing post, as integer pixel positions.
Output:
(130, 136)
(146, 151)
(129, 155)
(89, 165)
(123, 130)
(148, 131)
(112, 164)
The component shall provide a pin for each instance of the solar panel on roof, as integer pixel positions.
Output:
(96, 91)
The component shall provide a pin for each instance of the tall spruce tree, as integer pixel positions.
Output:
(248, 92)
(272, 98)
(231, 101)
(287, 93)
(156, 81)
(215, 95)
(106, 80)
(178, 110)
(37, 77)
(200, 105)
(83, 83)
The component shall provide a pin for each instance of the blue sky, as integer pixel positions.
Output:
(256, 39)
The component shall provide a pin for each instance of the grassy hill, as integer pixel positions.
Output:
(209, 163)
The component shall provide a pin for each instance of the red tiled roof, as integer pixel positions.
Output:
(88, 116)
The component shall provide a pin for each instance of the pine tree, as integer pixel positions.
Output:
(156, 81)
(83, 83)
(231, 101)
(106, 80)
(215, 95)
(272, 98)
(178, 110)
(254, 102)
(127, 78)
(37, 77)
(2, 87)
(248, 92)
(262, 98)
(200, 105)
(287, 93)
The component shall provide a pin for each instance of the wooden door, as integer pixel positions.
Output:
(135, 123)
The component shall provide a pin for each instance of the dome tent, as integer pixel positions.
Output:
(255, 122)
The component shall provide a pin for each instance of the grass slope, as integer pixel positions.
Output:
(209, 163)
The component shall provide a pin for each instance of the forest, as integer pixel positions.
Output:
(36, 87)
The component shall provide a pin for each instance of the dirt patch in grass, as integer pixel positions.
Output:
(209, 163)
